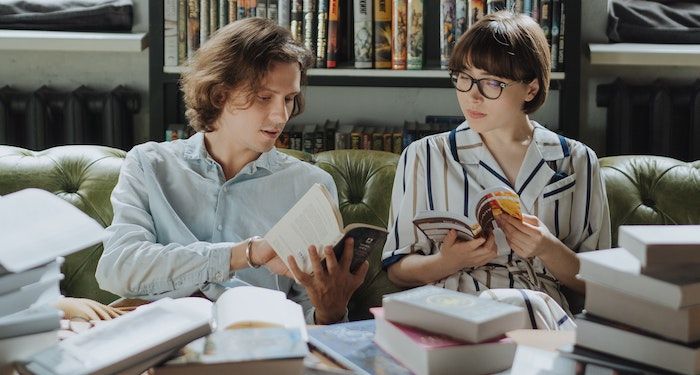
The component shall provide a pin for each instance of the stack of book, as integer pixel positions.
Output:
(643, 299)
(36, 228)
(431, 330)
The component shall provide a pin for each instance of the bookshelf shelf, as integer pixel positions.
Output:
(34, 40)
(644, 54)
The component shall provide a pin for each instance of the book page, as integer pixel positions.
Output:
(254, 307)
(37, 226)
(436, 224)
(311, 221)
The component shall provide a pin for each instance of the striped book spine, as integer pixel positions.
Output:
(382, 34)
(398, 33)
(297, 20)
(363, 38)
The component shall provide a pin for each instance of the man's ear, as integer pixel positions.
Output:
(532, 89)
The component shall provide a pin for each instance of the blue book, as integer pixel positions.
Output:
(352, 345)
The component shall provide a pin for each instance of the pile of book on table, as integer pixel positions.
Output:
(36, 229)
(643, 299)
(431, 330)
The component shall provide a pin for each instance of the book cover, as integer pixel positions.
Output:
(399, 30)
(309, 10)
(192, 27)
(333, 37)
(619, 269)
(321, 33)
(447, 38)
(382, 34)
(458, 315)
(352, 345)
(477, 9)
(427, 353)
(297, 20)
(630, 343)
(39, 319)
(610, 303)
(414, 35)
(461, 15)
(492, 203)
(316, 220)
(660, 247)
(363, 33)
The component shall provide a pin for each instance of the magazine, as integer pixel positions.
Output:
(492, 203)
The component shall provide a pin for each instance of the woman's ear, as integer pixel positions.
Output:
(532, 89)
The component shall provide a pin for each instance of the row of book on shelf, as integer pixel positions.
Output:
(332, 135)
(382, 34)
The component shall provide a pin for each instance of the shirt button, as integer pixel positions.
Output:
(220, 227)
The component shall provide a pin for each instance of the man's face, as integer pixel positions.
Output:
(256, 127)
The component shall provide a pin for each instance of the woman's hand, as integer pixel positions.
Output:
(529, 238)
(466, 254)
(330, 289)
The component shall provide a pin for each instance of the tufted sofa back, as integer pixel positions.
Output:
(641, 190)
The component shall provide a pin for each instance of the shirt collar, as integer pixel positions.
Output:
(195, 149)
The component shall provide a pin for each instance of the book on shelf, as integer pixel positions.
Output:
(316, 220)
(492, 202)
(181, 31)
(284, 14)
(309, 9)
(297, 20)
(637, 345)
(223, 13)
(562, 32)
(213, 16)
(203, 21)
(662, 247)
(273, 10)
(193, 27)
(333, 34)
(477, 9)
(545, 19)
(382, 34)
(414, 35)
(555, 29)
(399, 19)
(352, 345)
(321, 33)
(447, 37)
(170, 33)
(610, 303)
(458, 315)
(493, 6)
(261, 9)
(617, 268)
(425, 353)
(460, 23)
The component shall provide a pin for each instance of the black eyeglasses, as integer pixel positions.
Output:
(488, 87)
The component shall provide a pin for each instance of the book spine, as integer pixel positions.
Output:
(322, 33)
(397, 142)
(192, 27)
(333, 17)
(283, 16)
(363, 35)
(170, 36)
(460, 25)
(181, 31)
(223, 13)
(554, 56)
(527, 7)
(493, 6)
(546, 19)
(309, 9)
(273, 10)
(399, 34)
(297, 20)
(214, 16)
(382, 34)
(447, 16)
(242, 9)
(562, 31)
(261, 9)
(477, 9)
(536, 10)
(232, 10)
(251, 9)
(414, 37)
(203, 21)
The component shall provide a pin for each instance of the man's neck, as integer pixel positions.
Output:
(231, 156)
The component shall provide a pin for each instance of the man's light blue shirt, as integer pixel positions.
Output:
(176, 218)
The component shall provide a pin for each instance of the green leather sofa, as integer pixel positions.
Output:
(641, 190)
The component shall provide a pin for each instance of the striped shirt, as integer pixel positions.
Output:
(559, 182)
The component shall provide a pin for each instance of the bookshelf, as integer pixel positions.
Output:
(644, 54)
(166, 107)
(34, 40)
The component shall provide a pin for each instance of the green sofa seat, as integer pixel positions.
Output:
(641, 190)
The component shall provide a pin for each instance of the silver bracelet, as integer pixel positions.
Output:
(247, 252)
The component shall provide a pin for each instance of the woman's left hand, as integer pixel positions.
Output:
(330, 288)
(529, 238)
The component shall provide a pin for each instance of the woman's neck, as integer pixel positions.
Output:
(518, 134)
(230, 155)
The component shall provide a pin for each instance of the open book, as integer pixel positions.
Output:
(492, 203)
(136, 341)
(315, 220)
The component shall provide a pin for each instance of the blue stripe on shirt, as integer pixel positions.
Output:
(531, 176)
(493, 172)
(530, 312)
(428, 177)
(391, 260)
(588, 189)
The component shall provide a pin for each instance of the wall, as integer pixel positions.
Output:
(29, 70)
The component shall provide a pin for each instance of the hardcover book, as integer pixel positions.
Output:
(617, 268)
(477, 9)
(414, 35)
(333, 37)
(309, 28)
(193, 29)
(398, 33)
(427, 353)
(170, 32)
(363, 33)
(662, 247)
(316, 220)
(321, 33)
(458, 315)
(382, 34)
(297, 20)
(447, 37)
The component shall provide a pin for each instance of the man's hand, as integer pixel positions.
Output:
(465, 254)
(330, 289)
